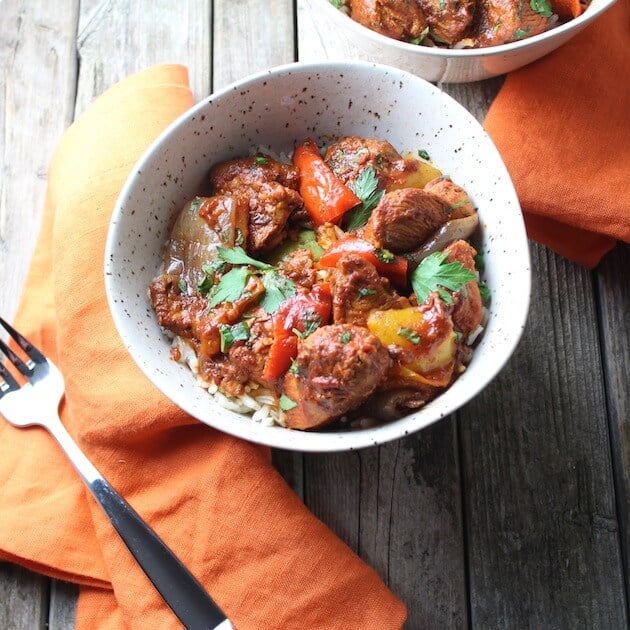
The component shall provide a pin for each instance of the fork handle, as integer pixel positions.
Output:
(179, 588)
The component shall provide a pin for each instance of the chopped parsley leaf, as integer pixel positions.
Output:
(238, 256)
(231, 334)
(294, 368)
(365, 291)
(484, 291)
(384, 255)
(278, 288)
(458, 204)
(261, 160)
(423, 154)
(520, 33)
(286, 404)
(542, 7)
(230, 287)
(182, 286)
(434, 273)
(365, 187)
(410, 334)
(345, 337)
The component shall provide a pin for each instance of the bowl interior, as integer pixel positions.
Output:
(275, 109)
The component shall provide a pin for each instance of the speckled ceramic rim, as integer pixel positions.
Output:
(505, 339)
(446, 53)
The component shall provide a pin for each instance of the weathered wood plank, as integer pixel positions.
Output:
(251, 36)
(63, 603)
(38, 62)
(613, 282)
(118, 37)
(37, 58)
(23, 598)
(540, 512)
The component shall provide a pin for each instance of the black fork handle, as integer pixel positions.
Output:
(179, 588)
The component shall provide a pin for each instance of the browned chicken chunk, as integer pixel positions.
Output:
(454, 196)
(358, 289)
(400, 19)
(468, 309)
(448, 19)
(502, 21)
(338, 367)
(405, 218)
(270, 189)
(348, 157)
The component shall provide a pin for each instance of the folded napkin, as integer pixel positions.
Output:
(562, 125)
(214, 499)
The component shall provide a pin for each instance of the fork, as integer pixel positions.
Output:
(33, 399)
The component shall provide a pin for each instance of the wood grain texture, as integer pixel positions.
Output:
(613, 281)
(38, 69)
(23, 599)
(63, 604)
(541, 523)
(251, 36)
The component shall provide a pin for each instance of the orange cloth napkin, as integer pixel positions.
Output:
(562, 125)
(214, 499)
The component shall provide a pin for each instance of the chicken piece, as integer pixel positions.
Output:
(448, 19)
(405, 218)
(270, 206)
(351, 155)
(299, 266)
(234, 174)
(270, 189)
(357, 289)
(502, 21)
(467, 306)
(454, 196)
(399, 19)
(338, 367)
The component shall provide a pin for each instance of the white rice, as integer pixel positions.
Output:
(257, 402)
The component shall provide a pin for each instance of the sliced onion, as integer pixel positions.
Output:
(455, 230)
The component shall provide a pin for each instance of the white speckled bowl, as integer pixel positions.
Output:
(277, 108)
(343, 38)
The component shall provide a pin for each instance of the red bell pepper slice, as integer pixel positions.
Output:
(298, 313)
(326, 198)
(387, 264)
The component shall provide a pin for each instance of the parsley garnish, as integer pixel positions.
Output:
(542, 7)
(423, 154)
(458, 204)
(206, 284)
(520, 33)
(311, 322)
(418, 40)
(338, 4)
(435, 274)
(484, 291)
(239, 237)
(345, 337)
(480, 263)
(195, 204)
(278, 288)
(182, 286)
(286, 404)
(410, 334)
(230, 287)
(365, 187)
(231, 334)
(365, 291)
(295, 368)
(261, 160)
(384, 255)
(238, 256)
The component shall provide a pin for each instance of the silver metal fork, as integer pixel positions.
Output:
(33, 399)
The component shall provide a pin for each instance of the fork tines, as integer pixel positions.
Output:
(7, 380)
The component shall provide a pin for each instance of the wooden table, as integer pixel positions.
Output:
(512, 513)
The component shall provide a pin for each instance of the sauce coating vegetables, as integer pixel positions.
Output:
(333, 287)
